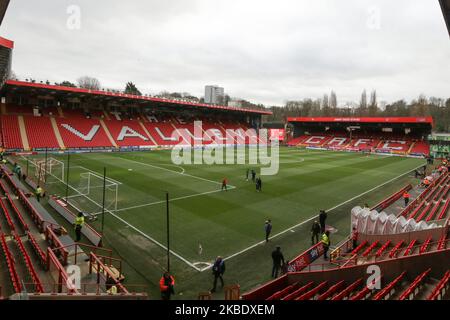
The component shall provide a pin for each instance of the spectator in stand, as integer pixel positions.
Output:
(166, 286)
(278, 261)
(218, 270)
(326, 244)
(322, 220)
(355, 235)
(268, 229)
(315, 232)
(406, 197)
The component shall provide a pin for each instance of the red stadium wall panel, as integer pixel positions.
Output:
(82, 133)
(128, 133)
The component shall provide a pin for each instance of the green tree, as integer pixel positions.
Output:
(66, 83)
(131, 88)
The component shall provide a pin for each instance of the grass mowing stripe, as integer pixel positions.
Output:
(171, 200)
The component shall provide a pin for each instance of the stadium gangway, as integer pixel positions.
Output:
(391, 199)
(19, 216)
(6, 215)
(75, 250)
(101, 269)
(29, 265)
(62, 281)
(56, 245)
(11, 265)
(37, 249)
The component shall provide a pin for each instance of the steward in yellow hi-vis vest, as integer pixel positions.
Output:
(39, 193)
(79, 222)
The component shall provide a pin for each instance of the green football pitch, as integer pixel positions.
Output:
(205, 221)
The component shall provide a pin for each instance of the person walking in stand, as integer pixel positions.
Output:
(268, 229)
(278, 261)
(218, 270)
(315, 232)
(322, 220)
(79, 222)
(326, 244)
(166, 286)
(406, 197)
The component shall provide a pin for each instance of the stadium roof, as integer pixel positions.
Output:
(6, 43)
(3, 6)
(81, 92)
(427, 120)
(445, 5)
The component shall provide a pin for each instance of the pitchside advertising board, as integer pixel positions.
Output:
(306, 258)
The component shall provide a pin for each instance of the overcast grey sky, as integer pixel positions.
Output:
(264, 51)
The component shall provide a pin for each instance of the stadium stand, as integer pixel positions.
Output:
(377, 135)
(414, 263)
(38, 266)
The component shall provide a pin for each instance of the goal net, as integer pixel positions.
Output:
(50, 171)
(92, 187)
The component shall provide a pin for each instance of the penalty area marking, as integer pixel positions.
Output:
(176, 172)
(171, 200)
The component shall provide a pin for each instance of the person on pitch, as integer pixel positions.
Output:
(224, 184)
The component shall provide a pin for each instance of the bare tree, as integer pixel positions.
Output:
(373, 106)
(88, 83)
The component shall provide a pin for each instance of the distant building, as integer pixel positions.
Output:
(214, 94)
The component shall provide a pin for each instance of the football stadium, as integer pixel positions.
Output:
(117, 195)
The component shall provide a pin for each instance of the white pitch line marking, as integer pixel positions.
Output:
(176, 172)
(171, 200)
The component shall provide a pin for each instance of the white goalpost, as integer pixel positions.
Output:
(52, 167)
